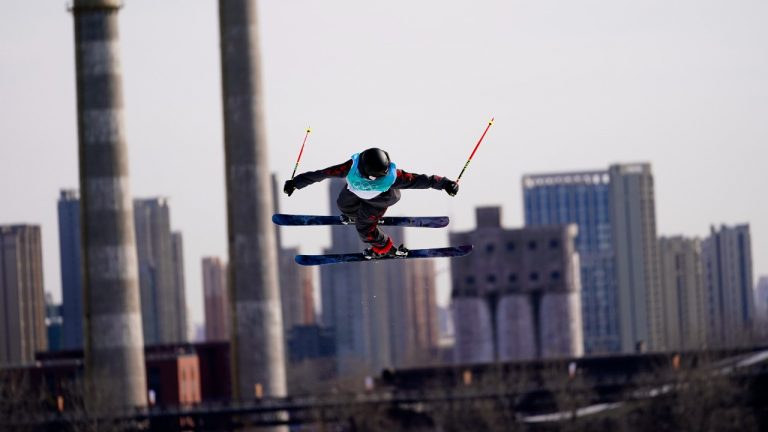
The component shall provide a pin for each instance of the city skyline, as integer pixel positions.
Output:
(569, 88)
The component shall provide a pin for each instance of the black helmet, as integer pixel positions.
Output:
(374, 163)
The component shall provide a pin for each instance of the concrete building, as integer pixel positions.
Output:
(727, 265)
(633, 215)
(615, 212)
(517, 296)
(22, 297)
(761, 304)
(114, 343)
(164, 316)
(216, 299)
(257, 337)
(684, 298)
(179, 285)
(71, 269)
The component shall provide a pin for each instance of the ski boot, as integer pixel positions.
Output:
(388, 250)
(347, 219)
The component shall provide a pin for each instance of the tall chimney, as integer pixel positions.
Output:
(257, 328)
(114, 344)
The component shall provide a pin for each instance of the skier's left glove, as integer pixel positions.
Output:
(451, 187)
(289, 187)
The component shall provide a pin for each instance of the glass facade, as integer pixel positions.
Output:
(583, 199)
(71, 278)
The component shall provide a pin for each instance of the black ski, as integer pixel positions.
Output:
(405, 221)
(455, 251)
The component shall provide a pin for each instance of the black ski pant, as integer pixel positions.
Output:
(368, 213)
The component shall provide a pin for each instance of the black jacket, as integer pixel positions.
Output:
(405, 180)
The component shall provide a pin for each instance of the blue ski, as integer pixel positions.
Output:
(405, 221)
(455, 251)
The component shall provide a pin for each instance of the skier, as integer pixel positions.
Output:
(373, 184)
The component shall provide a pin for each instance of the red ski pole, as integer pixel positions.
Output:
(300, 152)
(473, 151)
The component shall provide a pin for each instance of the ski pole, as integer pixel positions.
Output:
(473, 151)
(301, 152)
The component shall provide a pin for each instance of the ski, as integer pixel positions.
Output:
(455, 251)
(405, 221)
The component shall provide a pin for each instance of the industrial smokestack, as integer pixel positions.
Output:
(114, 344)
(257, 329)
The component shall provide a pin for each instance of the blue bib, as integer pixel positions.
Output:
(357, 183)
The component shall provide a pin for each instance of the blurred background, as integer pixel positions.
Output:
(676, 90)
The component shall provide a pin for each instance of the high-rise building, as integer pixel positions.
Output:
(615, 212)
(163, 316)
(71, 269)
(633, 215)
(22, 298)
(517, 296)
(296, 291)
(684, 298)
(216, 299)
(583, 198)
(179, 285)
(727, 265)
(761, 304)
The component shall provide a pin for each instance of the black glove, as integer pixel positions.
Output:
(289, 187)
(451, 187)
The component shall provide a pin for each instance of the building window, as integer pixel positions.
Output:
(534, 276)
(532, 245)
(555, 275)
(510, 246)
(490, 247)
(470, 280)
(513, 277)
(491, 278)
(554, 244)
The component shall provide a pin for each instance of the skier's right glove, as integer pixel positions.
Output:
(289, 187)
(451, 187)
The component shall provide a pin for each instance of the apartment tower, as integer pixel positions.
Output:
(684, 297)
(22, 297)
(727, 265)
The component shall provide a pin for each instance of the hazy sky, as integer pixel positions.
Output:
(573, 85)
